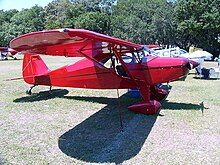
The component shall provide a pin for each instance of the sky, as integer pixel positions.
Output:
(19, 4)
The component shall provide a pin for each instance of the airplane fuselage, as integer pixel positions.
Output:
(87, 74)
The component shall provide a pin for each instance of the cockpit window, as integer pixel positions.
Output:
(108, 63)
(129, 58)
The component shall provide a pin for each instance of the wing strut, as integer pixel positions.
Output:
(120, 112)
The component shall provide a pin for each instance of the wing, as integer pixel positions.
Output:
(72, 42)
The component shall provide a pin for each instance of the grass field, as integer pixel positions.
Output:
(79, 126)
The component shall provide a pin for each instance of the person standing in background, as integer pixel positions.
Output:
(219, 60)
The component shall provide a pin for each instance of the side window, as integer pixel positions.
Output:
(108, 62)
(114, 64)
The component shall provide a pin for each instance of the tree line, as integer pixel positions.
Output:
(183, 23)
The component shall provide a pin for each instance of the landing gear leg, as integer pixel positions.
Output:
(50, 91)
(29, 90)
(148, 107)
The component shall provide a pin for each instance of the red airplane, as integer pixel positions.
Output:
(108, 63)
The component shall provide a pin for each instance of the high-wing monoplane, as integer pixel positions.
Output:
(108, 63)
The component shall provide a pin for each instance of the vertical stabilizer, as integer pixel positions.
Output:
(33, 67)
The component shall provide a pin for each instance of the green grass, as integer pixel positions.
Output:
(80, 126)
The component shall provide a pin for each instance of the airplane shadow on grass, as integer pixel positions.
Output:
(43, 95)
(98, 139)
(179, 106)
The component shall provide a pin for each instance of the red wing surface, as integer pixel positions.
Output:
(71, 42)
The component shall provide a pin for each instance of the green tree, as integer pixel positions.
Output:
(163, 25)
(22, 22)
(5, 16)
(166, 22)
(89, 5)
(72, 14)
(95, 21)
(90, 14)
(198, 24)
(56, 14)
(143, 21)
(5, 20)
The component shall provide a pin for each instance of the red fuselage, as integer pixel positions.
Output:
(87, 74)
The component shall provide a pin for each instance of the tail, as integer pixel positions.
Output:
(34, 70)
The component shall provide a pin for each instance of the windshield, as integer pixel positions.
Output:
(145, 55)
(142, 56)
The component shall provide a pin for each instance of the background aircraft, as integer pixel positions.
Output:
(7, 52)
(198, 56)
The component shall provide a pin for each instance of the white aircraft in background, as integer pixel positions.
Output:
(197, 56)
